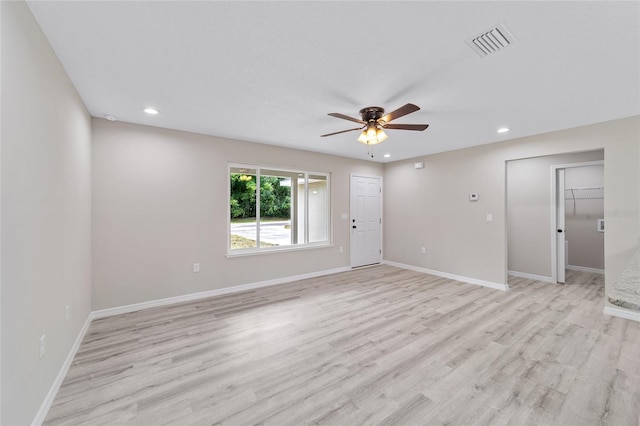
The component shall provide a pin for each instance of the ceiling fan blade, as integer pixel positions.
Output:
(402, 111)
(346, 117)
(406, 126)
(342, 131)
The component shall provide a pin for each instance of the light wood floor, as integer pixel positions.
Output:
(378, 345)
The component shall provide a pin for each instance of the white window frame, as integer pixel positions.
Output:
(304, 246)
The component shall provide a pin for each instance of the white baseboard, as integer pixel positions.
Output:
(51, 395)
(532, 276)
(102, 313)
(585, 269)
(475, 281)
(622, 313)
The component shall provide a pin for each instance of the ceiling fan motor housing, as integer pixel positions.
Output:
(371, 113)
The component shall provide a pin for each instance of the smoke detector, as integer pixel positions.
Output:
(493, 40)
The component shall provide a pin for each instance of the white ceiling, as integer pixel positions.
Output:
(270, 72)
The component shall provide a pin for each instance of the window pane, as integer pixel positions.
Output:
(243, 228)
(275, 208)
(318, 209)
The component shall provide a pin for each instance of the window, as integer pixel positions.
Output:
(272, 209)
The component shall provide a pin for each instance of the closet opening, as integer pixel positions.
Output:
(555, 218)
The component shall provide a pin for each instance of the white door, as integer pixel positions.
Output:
(366, 220)
(560, 237)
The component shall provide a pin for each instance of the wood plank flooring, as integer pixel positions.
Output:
(379, 345)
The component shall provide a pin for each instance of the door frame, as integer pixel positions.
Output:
(380, 180)
(561, 241)
(554, 210)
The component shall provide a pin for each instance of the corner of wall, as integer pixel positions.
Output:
(45, 205)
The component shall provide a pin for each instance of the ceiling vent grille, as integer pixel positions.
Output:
(491, 41)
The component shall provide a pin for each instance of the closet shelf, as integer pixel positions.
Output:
(585, 193)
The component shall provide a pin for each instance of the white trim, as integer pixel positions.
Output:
(505, 223)
(562, 252)
(554, 225)
(581, 164)
(48, 400)
(258, 210)
(381, 217)
(496, 286)
(278, 249)
(554, 218)
(364, 175)
(585, 269)
(103, 313)
(532, 276)
(622, 313)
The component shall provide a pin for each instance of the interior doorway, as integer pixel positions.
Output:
(532, 212)
(578, 218)
(366, 220)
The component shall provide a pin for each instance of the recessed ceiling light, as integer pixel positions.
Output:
(387, 155)
(151, 111)
(503, 130)
(110, 117)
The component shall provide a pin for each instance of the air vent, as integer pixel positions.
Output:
(491, 41)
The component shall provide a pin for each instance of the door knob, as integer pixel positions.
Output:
(560, 231)
(354, 227)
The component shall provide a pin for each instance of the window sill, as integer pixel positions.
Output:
(254, 252)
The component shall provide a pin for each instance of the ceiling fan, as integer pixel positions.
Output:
(374, 121)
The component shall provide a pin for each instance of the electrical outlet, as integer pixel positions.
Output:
(43, 345)
(424, 250)
(66, 313)
(196, 267)
(341, 249)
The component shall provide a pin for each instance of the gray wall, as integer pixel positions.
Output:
(430, 207)
(46, 202)
(160, 204)
(586, 244)
(529, 210)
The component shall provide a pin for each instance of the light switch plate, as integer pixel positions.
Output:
(473, 196)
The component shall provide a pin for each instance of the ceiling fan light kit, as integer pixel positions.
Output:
(372, 135)
(374, 122)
